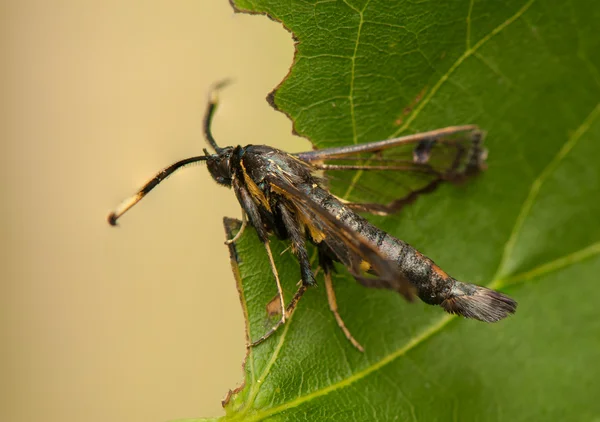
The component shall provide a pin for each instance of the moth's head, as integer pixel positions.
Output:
(219, 165)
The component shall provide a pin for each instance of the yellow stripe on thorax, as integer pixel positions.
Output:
(255, 191)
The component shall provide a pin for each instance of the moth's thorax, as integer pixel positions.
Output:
(261, 162)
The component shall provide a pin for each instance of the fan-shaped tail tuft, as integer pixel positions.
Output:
(481, 303)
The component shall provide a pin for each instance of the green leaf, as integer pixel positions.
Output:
(527, 73)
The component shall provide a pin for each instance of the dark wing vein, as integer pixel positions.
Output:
(396, 171)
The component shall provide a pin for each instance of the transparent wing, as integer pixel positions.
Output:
(385, 175)
(351, 248)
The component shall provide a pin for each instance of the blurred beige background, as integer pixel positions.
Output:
(140, 322)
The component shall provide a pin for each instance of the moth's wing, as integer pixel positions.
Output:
(385, 175)
(351, 248)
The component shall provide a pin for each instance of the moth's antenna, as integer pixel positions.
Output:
(151, 184)
(213, 101)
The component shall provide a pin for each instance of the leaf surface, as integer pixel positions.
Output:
(527, 73)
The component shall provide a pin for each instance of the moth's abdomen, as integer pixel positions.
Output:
(433, 285)
(436, 287)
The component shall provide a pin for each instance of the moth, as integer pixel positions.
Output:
(287, 196)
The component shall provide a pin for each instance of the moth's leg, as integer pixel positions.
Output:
(298, 241)
(240, 231)
(334, 309)
(250, 208)
(288, 312)
(326, 263)
(276, 274)
(308, 279)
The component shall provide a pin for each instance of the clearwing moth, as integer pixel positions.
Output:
(287, 196)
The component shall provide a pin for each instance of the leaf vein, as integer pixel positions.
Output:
(353, 68)
(536, 186)
(468, 53)
(256, 385)
(468, 43)
(411, 406)
(581, 53)
(493, 68)
(557, 264)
